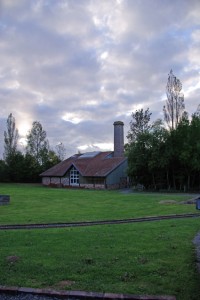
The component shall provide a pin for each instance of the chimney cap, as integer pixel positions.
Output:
(118, 123)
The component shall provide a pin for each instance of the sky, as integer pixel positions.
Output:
(76, 66)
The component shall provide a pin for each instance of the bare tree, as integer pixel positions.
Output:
(197, 112)
(60, 151)
(175, 106)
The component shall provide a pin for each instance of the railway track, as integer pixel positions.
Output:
(93, 223)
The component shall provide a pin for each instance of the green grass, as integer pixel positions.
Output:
(37, 204)
(138, 258)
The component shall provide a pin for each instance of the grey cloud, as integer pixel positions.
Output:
(94, 61)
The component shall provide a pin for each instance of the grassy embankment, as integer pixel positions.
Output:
(144, 258)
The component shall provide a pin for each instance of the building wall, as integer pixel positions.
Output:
(118, 178)
(93, 182)
(46, 180)
(55, 181)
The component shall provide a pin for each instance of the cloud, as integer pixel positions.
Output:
(77, 66)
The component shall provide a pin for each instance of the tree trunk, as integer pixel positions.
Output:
(188, 182)
(174, 180)
(168, 183)
(154, 183)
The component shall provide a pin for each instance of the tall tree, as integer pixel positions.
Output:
(197, 112)
(194, 142)
(175, 102)
(159, 157)
(12, 156)
(139, 146)
(139, 124)
(37, 143)
(31, 169)
(11, 137)
(60, 151)
(4, 176)
(138, 157)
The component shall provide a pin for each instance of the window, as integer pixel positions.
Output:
(74, 176)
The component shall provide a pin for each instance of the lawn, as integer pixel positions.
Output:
(37, 204)
(138, 258)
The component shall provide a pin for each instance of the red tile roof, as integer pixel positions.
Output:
(99, 165)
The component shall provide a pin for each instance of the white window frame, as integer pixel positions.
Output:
(74, 176)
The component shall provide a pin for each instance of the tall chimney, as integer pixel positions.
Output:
(118, 139)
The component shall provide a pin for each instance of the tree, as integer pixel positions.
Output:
(175, 102)
(138, 157)
(12, 156)
(16, 168)
(31, 169)
(37, 143)
(60, 151)
(197, 112)
(3, 171)
(140, 123)
(194, 142)
(11, 137)
(49, 159)
(180, 155)
(138, 149)
(159, 157)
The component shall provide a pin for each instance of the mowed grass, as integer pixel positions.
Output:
(138, 258)
(37, 204)
(147, 258)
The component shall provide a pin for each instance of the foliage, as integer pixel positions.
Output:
(3, 171)
(139, 124)
(10, 140)
(25, 167)
(13, 158)
(138, 158)
(37, 143)
(161, 159)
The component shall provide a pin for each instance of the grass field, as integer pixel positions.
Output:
(138, 258)
(37, 204)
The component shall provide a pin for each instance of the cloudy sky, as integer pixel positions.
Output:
(76, 66)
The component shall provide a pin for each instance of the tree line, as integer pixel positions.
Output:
(38, 156)
(165, 154)
(162, 155)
